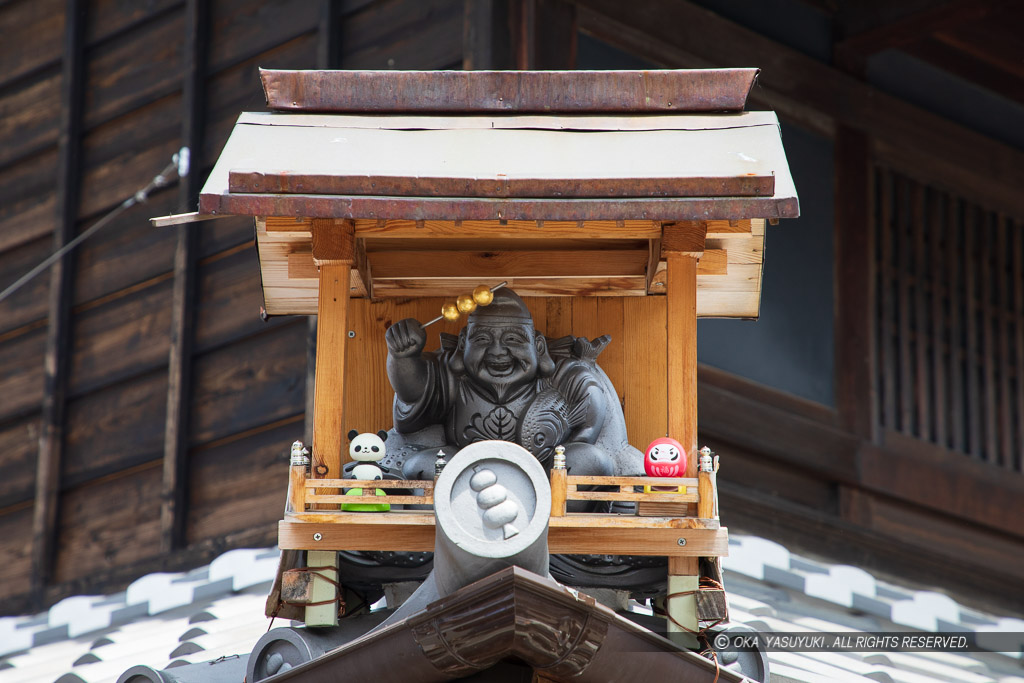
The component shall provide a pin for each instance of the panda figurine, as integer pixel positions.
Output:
(368, 449)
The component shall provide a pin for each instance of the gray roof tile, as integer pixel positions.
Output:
(173, 620)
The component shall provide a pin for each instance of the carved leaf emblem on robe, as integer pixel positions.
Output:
(499, 424)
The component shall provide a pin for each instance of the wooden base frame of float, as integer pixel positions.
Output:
(682, 540)
(308, 525)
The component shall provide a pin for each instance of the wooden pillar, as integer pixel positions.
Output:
(179, 363)
(856, 378)
(683, 577)
(325, 563)
(682, 245)
(333, 253)
(328, 46)
(55, 359)
(519, 34)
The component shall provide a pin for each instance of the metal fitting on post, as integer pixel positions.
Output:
(300, 455)
(559, 462)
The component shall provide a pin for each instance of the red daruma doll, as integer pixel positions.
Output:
(665, 457)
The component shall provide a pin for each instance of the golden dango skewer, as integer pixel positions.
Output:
(450, 312)
(466, 303)
(484, 295)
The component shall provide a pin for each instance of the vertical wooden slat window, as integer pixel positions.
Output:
(950, 311)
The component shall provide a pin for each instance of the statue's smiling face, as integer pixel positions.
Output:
(504, 355)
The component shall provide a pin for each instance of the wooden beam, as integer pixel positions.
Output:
(56, 356)
(684, 237)
(490, 264)
(853, 51)
(578, 286)
(482, 230)
(817, 95)
(174, 495)
(855, 286)
(567, 534)
(988, 74)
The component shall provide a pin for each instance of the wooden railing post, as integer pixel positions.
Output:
(558, 483)
(706, 487)
(297, 478)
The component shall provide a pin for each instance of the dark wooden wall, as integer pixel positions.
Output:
(150, 77)
(145, 408)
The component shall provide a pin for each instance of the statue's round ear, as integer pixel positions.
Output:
(352, 434)
(383, 435)
(455, 362)
(545, 366)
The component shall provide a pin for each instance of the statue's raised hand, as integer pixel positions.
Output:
(406, 338)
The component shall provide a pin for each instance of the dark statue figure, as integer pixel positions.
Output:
(500, 380)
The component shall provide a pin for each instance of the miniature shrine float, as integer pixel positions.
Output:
(506, 514)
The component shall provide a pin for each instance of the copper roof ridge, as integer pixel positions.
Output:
(511, 614)
(547, 92)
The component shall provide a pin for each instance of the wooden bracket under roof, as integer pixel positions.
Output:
(550, 258)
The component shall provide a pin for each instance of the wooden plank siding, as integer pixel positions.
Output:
(120, 299)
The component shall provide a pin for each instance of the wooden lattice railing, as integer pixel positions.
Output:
(662, 496)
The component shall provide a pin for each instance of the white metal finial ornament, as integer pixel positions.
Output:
(492, 497)
(300, 454)
(706, 463)
(559, 462)
(439, 464)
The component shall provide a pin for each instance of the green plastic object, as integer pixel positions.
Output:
(364, 507)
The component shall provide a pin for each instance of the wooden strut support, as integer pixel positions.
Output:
(334, 253)
(682, 245)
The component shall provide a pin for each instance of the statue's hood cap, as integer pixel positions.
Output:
(507, 308)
